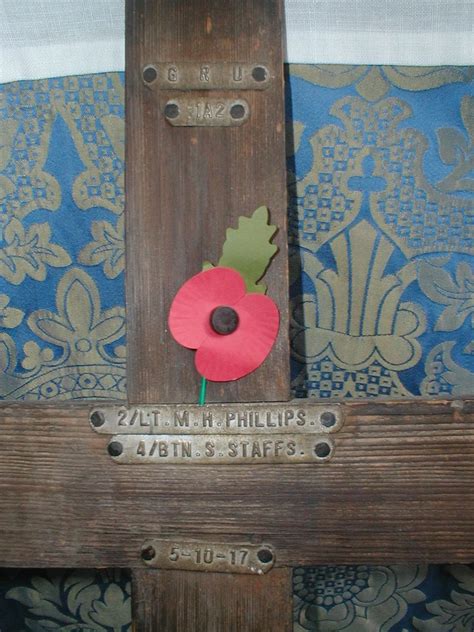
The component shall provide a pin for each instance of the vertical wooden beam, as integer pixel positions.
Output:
(183, 601)
(187, 185)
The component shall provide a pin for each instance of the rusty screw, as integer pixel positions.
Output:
(237, 111)
(97, 419)
(148, 553)
(259, 73)
(115, 448)
(149, 74)
(328, 419)
(265, 556)
(322, 449)
(171, 110)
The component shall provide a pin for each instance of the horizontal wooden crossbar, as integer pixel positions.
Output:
(399, 487)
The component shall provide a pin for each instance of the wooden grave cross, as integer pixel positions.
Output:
(131, 485)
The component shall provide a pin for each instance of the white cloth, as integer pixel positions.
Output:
(399, 32)
(47, 38)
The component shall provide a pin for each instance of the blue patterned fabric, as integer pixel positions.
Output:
(77, 601)
(381, 188)
(61, 238)
(382, 229)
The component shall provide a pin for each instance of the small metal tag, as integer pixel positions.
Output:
(300, 416)
(215, 434)
(220, 449)
(194, 555)
(206, 112)
(207, 76)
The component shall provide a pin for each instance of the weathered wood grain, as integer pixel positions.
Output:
(186, 186)
(179, 601)
(400, 487)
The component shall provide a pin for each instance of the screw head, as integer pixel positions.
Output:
(97, 418)
(115, 448)
(171, 110)
(237, 111)
(149, 74)
(328, 419)
(259, 73)
(148, 553)
(265, 556)
(322, 449)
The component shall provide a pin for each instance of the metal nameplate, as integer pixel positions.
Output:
(221, 449)
(194, 555)
(295, 417)
(206, 112)
(207, 76)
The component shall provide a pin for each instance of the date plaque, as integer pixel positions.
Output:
(195, 555)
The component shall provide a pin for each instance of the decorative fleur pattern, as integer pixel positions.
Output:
(374, 82)
(369, 216)
(25, 133)
(61, 238)
(79, 326)
(358, 328)
(355, 598)
(369, 163)
(10, 317)
(381, 246)
(381, 215)
(73, 601)
(456, 293)
(443, 375)
(107, 249)
(455, 614)
(29, 252)
(456, 148)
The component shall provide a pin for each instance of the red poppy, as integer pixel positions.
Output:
(232, 331)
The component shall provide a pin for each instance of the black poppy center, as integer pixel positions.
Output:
(224, 320)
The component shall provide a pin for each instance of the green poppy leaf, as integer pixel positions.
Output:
(248, 248)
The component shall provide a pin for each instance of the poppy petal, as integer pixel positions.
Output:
(230, 357)
(192, 306)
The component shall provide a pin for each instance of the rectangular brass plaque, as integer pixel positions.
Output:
(194, 555)
(295, 417)
(221, 449)
(207, 76)
(206, 112)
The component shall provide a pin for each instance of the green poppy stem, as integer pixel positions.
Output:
(202, 392)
